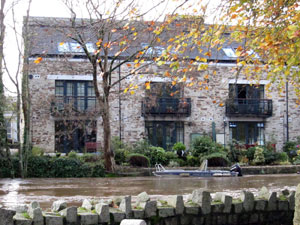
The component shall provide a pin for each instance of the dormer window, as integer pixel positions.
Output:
(229, 52)
(73, 47)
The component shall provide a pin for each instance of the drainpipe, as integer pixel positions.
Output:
(287, 109)
(120, 110)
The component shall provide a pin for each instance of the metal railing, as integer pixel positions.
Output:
(166, 107)
(249, 107)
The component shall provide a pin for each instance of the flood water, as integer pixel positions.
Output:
(74, 190)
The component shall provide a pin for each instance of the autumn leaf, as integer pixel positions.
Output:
(221, 104)
(128, 64)
(113, 30)
(173, 82)
(61, 43)
(125, 91)
(38, 60)
(132, 92)
(147, 84)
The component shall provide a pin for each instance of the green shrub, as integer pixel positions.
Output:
(37, 151)
(90, 157)
(38, 166)
(296, 160)
(270, 156)
(140, 160)
(141, 147)
(157, 155)
(121, 155)
(283, 157)
(170, 156)
(179, 146)
(5, 170)
(192, 161)
(202, 145)
(259, 157)
(72, 155)
(173, 163)
(249, 153)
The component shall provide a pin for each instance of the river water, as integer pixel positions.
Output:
(74, 190)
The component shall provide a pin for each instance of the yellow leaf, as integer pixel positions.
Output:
(167, 74)
(206, 76)
(38, 60)
(61, 43)
(136, 87)
(126, 89)
(221, 104)
(147, 84)
(206, 88)
(135, 33)
(173, 83)
(233, 16)
(158, 39)
(132, 92)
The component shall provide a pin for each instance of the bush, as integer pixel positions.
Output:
(90, 157)
(141, 147)
(202, 145)
(192, 161)
(270, 156)
(72, 155)
(37, 151)
(179, 146)
(250, 153)
(283, 157)
(259, 157)
(121, 156)
(138, 160)
(157, 155)
(38, 166)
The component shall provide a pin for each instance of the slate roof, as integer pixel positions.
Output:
(46, 34)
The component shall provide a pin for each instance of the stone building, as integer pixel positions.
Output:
(65, 113)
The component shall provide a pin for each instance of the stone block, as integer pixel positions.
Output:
(133, 222)
(37, 215)
(202, 198)
(117, 216)
(222, 220)
(192, 210)
(227, 201)
(125, 206)
(21, 220)
(283, 205)
(87, 204)
(103, 211)
(88, 219)
(70, 215)
(176, 202)
(217, 208)
(260, 205)
(58, 206)
(237, 207)
(185, 220)
(150, 209)
(248, 201)
(198, 221)
(171, 221)
(272, 202)
(138, 214)
(254, 218)
(53, 220)
(142, 197)
(263, 193)
(291, 199)
(166, 212)
(34, 205)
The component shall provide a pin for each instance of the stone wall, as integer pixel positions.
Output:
(200, 208)
(207, 105)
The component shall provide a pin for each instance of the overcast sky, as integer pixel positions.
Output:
(43, 8)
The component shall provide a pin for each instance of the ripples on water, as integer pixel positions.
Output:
(74, 190)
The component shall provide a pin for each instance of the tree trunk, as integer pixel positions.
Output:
(108, 153)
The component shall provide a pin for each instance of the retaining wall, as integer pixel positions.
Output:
(265, 208)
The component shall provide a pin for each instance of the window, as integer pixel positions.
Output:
(8, 129)
(78, 94)
(229, 52)
(246, 91)
(247, 132)
(74, 47)
(163, 90)
(74, 134)
(165, 133)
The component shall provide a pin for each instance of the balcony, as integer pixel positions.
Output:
(180, 107)
(74, 106)
(249, 107)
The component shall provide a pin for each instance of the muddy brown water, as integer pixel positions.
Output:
(74, 190)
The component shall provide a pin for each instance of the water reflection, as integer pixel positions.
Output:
(74, 190)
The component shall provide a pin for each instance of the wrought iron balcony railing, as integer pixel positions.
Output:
(166, 107)
(249, 107)
(74, 105)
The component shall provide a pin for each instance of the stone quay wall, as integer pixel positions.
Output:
(200, 208)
